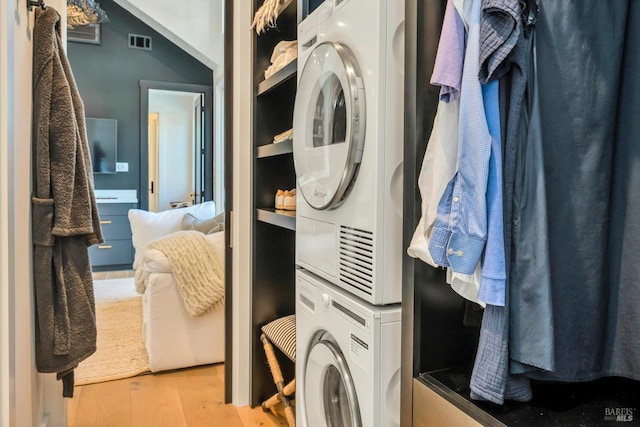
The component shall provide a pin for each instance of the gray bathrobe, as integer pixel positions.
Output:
(64, 213)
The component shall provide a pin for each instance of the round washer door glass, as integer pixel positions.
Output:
(330, 395)
(329, 125)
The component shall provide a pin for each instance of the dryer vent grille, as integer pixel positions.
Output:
(356, 259)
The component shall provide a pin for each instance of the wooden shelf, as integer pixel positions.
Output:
(270, 150)
(281, 76)
(281, 218)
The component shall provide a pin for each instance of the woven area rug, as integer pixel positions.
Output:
(121, 352)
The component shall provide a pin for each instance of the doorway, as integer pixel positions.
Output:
(176, 149)
(113, 89)
(177, 161)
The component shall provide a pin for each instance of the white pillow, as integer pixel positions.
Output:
(147, 226)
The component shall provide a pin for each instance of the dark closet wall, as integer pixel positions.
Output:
(108, 74)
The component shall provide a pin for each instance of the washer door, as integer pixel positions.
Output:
(329, 125)
(330, 395)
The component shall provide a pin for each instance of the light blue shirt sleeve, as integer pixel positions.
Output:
(494, 275)
(459, 237)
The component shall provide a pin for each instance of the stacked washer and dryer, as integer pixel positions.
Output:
(348, 139)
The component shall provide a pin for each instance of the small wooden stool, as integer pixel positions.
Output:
(281, 333)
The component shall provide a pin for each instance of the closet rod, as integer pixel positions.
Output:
(36, 3)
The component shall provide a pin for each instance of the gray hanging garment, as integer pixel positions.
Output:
(623, 333)
(64, 213)
(580, 48)
(531, 315)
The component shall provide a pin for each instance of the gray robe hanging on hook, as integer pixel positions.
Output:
(64, 214)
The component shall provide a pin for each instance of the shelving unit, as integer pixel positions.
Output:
(287, 72)
(284, 147)
(281, 218)
(273, 284)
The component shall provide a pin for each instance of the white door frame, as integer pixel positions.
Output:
(154, 140)
(218, 145)
(242, 214)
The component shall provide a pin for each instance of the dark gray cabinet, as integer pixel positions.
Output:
(116, 252)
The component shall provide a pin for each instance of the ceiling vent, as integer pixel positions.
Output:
(136, 41)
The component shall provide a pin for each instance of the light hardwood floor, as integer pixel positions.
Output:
(185, 398)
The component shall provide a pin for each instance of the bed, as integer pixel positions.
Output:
(173, 337)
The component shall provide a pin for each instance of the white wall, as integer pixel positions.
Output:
(175, 145)
(196, 26)
(26, 396)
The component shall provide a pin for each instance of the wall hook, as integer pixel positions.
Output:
(36, 3)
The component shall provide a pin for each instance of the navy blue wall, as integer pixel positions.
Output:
(108, 74)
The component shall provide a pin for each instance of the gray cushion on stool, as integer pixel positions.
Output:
(282, 333)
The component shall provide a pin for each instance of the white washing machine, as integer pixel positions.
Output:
(347, 358)
(348, 145)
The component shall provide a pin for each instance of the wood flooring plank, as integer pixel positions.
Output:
(202, 395)
(102, 405)
(155, 402)
(218, 370)
(252, 417)
(200, 372)
(183, 398)
(72, 406)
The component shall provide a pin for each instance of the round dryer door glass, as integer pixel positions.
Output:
(330, 395)
(336, 402)
(329, 125)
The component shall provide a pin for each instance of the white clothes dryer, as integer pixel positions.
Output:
(348, 146)
(348, 358)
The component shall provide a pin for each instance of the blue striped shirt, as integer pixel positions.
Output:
(460, 231)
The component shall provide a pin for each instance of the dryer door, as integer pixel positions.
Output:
(329, 125)
(330, 395)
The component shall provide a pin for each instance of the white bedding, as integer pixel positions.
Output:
(173, 338)
(156, 262)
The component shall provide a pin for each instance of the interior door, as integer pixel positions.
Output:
(198, 150)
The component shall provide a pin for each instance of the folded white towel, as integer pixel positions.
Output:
(284, 52)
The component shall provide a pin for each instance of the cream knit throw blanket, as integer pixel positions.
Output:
(198, 270)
